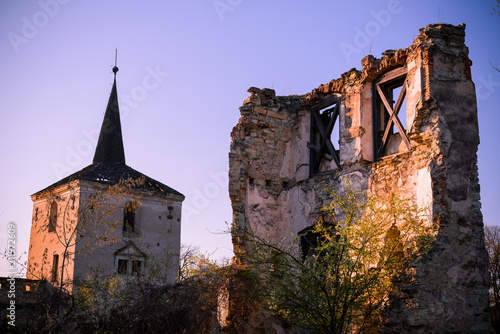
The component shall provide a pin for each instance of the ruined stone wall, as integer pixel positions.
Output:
(272, 189)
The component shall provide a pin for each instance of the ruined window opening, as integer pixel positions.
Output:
(390, 111)
(129, 217)
(55, 265)
(53, 217)
(325, 131)
(309, 242)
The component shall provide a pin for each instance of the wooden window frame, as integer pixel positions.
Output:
(385, 115)
(322, 126)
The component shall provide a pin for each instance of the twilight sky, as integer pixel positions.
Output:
(185, 67)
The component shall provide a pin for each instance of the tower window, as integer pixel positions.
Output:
(122, 266)
(129, 217)
(53, 217)
(55, 265)
(129, 266)
(136, 267)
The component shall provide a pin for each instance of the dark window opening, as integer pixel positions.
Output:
(390, 112)
(55, 265)
(136, 267)
(268, 183)
(310, 241)
(129, 217)
(53, 217)
(122, 266)
(325, 133)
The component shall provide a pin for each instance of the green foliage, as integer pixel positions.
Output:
(340, 286)
(96, 296)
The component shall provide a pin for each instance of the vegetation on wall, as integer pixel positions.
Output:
(335, 278)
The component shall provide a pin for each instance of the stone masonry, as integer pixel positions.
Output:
(281, 162)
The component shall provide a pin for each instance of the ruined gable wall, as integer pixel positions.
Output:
(271, 191)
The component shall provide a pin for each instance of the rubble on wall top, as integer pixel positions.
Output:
(374, 67)
(267, 92)
(441, 34)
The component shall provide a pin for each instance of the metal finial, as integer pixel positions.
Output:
(115, 69)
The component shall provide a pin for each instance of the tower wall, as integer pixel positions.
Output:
(101, 240)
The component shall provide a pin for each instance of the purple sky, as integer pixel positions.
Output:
(185, 67)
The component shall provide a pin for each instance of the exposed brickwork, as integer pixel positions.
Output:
(270, 186)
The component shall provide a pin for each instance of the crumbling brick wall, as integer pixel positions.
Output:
(273, 186)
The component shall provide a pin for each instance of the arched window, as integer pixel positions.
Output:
(129, 217)
(53, 217)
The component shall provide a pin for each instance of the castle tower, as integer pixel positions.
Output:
(106, 218)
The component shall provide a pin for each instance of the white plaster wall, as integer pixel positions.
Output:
(155, 234)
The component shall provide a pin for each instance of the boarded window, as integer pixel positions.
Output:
(390, 113)
(325, 133)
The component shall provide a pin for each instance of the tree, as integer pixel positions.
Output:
(496, 9)
(338, 281)
(492, 243)
(189, 306)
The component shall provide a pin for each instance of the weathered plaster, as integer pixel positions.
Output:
(271, 190)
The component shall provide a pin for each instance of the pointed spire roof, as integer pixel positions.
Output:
(110, 144)
(109, 165)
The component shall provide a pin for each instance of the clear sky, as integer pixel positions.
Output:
(185, 67)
